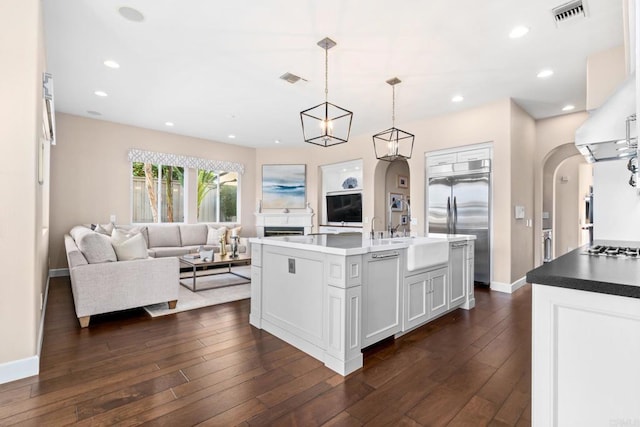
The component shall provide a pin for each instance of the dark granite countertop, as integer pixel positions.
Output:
(602, 274)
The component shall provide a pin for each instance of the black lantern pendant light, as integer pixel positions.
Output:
(326, 124)
(393, 144)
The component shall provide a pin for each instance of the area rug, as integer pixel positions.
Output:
(221, 291)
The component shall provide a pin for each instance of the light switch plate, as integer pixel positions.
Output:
(414, 221)
(519, 212)
(112, 218)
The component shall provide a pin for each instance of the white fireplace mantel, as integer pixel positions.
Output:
(283, 219)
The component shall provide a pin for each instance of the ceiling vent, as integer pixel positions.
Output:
(569, 12)
(291, 78)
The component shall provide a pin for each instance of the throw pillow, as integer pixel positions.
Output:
(128, 246)
(233, 231)
(214, 234)
(105, 229)
(95, 247)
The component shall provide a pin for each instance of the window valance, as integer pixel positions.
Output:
(143, 156)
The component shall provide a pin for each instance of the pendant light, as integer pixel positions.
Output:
(326, 124)
(393, 144)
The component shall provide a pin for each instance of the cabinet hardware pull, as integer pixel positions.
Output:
(381, 256)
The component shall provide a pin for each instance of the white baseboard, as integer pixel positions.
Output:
(30, 366)
(58, 272)
(18, 369)
(508, 288)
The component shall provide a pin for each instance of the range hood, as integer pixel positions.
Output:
(604, 135)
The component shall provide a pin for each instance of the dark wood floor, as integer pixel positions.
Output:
(209, 367)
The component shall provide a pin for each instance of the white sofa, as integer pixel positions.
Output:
(103, 287)
(101, 283)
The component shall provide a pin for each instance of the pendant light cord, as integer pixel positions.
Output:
(326, 75)
(393, 107)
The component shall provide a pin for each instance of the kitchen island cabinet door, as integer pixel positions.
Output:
(458, 274)
(416, 293)
(381, 298)
(439, 282)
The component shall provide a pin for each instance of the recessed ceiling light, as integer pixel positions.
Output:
(457, 98)
(94, 113)
(232, 136)
(518, 32)
(111, 64)
(568, 107)
(168, 124)
(131, 14)
(100, 93)
(277, 141)
(545, 73)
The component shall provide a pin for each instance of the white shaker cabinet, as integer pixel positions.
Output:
(381, 296)
(461, 274)
(425, 296)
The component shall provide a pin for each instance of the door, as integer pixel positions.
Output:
(381, 297)
(439, 205)
(438, 302)
(470, 214)
(416, 292)
(457, 274)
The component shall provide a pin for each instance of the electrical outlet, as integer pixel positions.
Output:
(112, 218)
(414, 221)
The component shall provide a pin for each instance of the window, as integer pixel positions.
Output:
(158, 193)
(217, 196)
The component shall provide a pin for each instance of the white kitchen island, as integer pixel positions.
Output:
(332, 295)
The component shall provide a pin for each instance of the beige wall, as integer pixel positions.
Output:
(23, 222)
(567, 199)
(91, 173)
(605, 71)
(523, 134)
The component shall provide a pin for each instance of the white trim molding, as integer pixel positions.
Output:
(18, 369)
(508, 288)
(58, 272)
(143, 156)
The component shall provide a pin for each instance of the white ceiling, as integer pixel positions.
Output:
(213, 67)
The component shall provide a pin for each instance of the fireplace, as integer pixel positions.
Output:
(283, 231)
(283, 223)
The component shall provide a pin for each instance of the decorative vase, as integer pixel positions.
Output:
(223, 245)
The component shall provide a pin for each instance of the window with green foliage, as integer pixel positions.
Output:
(217, 196)
(157, 193)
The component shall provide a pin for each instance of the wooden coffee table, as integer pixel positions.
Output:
(217, 261)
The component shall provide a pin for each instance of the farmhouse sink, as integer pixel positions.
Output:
(424, 253)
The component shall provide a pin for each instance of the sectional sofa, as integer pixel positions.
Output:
(120, 267)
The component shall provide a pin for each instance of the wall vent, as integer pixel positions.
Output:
(569, 12)
(291, 78)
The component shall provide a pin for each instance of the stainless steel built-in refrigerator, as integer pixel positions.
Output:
(458, 203)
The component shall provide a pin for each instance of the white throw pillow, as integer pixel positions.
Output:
(214, 234)
(128, 246)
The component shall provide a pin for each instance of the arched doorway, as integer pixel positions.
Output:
(567, 178)
(392, 181)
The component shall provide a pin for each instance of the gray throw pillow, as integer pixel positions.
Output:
(213, 237)
(96, 247)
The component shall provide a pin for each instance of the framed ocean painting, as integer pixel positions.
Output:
(283, 186)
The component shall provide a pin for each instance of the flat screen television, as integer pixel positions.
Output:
(344, 208)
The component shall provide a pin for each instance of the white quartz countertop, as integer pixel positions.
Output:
(354, 243)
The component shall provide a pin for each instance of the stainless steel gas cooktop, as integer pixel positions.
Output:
(613, 251)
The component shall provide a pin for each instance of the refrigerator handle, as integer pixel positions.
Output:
(448, 215)
(455, 215)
